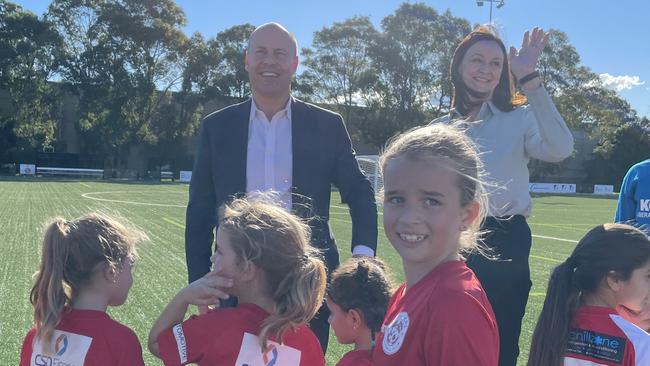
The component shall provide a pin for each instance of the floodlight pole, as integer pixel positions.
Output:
(500, 3)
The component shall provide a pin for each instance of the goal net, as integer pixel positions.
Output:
(369, 164)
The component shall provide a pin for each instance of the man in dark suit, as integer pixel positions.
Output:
(276, 142)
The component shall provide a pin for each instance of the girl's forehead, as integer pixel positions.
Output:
(426, 174)
(421, 163)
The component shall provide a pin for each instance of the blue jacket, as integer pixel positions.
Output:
(634, 199)
(322, 157)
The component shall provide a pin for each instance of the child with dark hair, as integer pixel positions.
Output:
(357, 298)
(581, 323)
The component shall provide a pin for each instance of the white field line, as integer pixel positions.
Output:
(546, 258)
(534, 236)
(89, 195)
(379, 213)
(174, 222)
(554, 238)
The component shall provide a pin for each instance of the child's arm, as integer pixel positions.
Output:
(204, 291)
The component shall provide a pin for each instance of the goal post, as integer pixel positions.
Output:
(369, 164)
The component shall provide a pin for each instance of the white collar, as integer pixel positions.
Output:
(286, 109)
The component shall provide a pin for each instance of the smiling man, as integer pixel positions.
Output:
(275, 142)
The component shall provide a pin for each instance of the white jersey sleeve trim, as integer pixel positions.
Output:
(177, 330)
(639, 338)
(570, 361)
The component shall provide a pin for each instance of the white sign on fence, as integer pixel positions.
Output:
(185, 176)
(603, 189)
(552, 187)
(27, 169)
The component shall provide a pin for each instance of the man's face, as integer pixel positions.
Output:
(271, 62)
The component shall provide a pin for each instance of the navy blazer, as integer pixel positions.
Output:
(322, 156)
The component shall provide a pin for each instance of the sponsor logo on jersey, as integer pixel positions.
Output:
(271, 355)
(597, 346)
(644, 209)
(180, 342)
(61, 345)
(275, 354)
(395, 333)
(70, 349)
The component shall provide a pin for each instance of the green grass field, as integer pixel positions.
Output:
(159, 209)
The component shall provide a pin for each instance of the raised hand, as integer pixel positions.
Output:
(524, 60)
(207, 290)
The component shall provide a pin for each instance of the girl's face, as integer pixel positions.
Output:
(224, 260)
(423, 215)
(634, 294)
(481, 67)
(121, 284)
(342, 323)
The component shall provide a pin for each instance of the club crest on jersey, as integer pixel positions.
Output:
(395, 333)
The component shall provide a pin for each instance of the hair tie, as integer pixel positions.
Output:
(362, 269)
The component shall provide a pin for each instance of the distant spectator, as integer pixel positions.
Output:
(634, 200)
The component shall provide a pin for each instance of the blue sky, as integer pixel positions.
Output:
(610, 36)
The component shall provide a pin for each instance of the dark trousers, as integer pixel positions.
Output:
(321, 327)
(507, 279)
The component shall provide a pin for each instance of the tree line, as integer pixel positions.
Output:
(141, 81)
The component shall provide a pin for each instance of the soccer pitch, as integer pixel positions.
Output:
(159, 209)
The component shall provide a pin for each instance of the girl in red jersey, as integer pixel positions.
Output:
(263, 255)
(85, 267)
(357, 298)
(579, 324)
(432, 211)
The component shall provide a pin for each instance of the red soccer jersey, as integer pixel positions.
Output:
(599, 336)
(356, 358)
(444, 319)
(84, 337)
(229, 337)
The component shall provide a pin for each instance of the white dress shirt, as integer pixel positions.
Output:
(269, 161)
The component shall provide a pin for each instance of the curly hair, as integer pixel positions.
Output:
(362, 284)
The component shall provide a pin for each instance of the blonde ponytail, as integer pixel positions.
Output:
(50, 294)
(298, 298)
(277, 242)
(71, 252)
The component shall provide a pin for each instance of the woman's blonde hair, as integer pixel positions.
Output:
(277, 242)
(71, 253)
(453, 149)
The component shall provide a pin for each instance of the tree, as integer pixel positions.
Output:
(122, 60)
(583, 102)
(411, 60)
(27, 45)
(577, 91)
(629, 144)
(338, 66)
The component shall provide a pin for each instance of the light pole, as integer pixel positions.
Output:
(500, 3)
